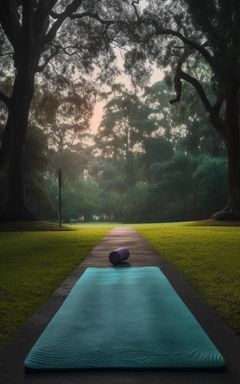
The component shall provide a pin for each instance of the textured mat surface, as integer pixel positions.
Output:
(123, 318)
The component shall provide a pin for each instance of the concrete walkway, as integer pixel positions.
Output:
(142, 254)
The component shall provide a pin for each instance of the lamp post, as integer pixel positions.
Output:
(60, 196)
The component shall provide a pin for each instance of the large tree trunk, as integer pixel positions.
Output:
(22, 94)
(232, 140)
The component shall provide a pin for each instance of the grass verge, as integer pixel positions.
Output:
(33, 264)
(207, 256)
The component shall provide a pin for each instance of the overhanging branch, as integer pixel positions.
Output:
(91, 15)
(216, 119)
(134, 3)
(6, 53)
(70, 9)
(177, 77)
(199, 88)
(213, 111)
(40, 68)
(5, 99)
(188, 42)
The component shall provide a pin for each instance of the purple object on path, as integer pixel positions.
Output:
(118, 255)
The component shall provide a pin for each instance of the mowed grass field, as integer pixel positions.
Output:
(208, 256)
(33, 265)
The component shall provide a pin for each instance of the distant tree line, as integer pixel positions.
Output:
(147, 162)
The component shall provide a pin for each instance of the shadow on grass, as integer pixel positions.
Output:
(22, 226)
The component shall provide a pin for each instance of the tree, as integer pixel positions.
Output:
(182, 34)
(156, 150)
(125, 123)
(64, 116)
(210, 181)
(81, 199)
(36, 35)
(122, 132)
(187, 124)
(172, 188)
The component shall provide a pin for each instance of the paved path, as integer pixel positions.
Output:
(11, 360)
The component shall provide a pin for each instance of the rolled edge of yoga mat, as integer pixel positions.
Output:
(118, 255)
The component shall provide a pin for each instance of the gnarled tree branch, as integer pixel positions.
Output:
(70, 9)
(214, 111)
(5, 99)
(40, 68)
(201, 48)
(199, 88)
(177, 77)
(92, 15)
(216, 119)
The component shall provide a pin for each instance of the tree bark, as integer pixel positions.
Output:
(232, 141)
(22, 94)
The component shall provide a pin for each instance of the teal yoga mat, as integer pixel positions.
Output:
(123, 318)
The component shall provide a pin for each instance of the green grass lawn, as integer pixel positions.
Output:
(33, 264)
(207, 256)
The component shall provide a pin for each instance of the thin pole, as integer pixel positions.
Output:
(60, 196)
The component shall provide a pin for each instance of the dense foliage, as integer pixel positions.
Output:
(148, 161)
(182, 35)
